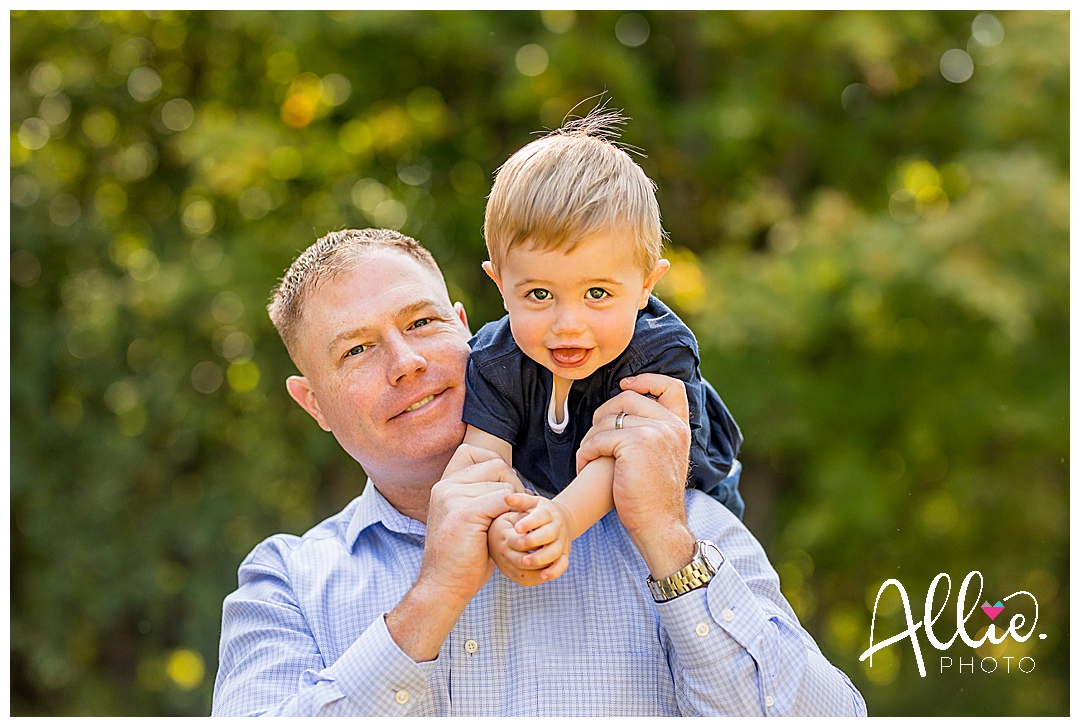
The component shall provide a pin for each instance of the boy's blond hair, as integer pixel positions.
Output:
(569, 185)
(334, 253)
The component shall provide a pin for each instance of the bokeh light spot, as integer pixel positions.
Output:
(390, 213)
(956, 65)
(110, 200)
(336, 89)
(632, 30)
(199, 217)
(987, 30)
(207, 377)
(100, 126)
(255, 203)
(144, 84)
(558, 21)
(33, 134)
(177, 114)
(301, 105)
(55, 109)
(186, 668)
(45, 78)
(531, 59)
(64, 210)
(25, 268)
(25, 190)
(243, 376)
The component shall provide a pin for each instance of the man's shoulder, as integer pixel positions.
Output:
(281, 550)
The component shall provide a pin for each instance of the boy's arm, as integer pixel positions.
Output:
(480, 438)
(537, 548)
(588, 498)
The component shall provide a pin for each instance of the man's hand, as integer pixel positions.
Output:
(455, 564)
(531, 544)
(651, 448)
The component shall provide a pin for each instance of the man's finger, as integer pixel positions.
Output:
(598, 444)
(467, 455)
(491, 470)
(669, 392)
(521, 502)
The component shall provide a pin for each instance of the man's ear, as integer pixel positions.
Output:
(662, 267)
(460, 310)
(300, 390)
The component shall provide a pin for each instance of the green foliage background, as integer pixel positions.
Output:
(875, 260)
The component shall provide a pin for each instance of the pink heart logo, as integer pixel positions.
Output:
(992, 611)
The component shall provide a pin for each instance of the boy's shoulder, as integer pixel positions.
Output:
(494, 341)
(659, 326)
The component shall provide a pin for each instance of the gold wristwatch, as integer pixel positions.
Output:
(707, 560)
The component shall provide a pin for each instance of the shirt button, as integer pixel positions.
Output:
(471, 646)
(401, 697)
(727, 615)
(768, 700)
(702, 629)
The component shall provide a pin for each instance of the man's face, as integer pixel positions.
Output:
(384, 356)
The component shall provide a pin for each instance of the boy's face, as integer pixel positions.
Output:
(572, 312)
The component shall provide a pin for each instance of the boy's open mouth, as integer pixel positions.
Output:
(569, 358)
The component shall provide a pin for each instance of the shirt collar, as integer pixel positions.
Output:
(372, 508)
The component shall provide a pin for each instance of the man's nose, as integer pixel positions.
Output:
(404, 361)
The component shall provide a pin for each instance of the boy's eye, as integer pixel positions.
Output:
(539, 294)
(597, 294)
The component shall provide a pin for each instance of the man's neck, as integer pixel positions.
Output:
(410, 494)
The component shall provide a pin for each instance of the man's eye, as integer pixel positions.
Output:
(420, 323)
(356, 350)
(539, 294)
(597, 293)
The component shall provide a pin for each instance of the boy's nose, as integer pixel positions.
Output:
(567, 322)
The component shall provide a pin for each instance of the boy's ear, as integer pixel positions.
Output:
(662, 267)
(300, 390)
(490, 270)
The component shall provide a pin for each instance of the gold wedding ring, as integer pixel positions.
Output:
(619, 420)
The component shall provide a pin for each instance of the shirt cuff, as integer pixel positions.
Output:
(377, 676)
(702, 623)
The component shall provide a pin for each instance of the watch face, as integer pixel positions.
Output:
(711, 554)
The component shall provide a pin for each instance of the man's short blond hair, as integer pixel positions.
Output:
(569, 185)
(334, 253)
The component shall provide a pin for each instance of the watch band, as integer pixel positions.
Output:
(706, 561)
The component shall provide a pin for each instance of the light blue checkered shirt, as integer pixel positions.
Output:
(304, 633)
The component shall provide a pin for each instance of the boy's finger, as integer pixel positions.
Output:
(536, 518)
(556, 569)
(544, 556)
(539, 537)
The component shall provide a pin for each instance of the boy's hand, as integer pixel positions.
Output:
(538, 548)
(500, 535)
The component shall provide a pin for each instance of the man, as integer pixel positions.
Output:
(391, 607)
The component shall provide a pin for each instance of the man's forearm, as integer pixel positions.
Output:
(423, 619)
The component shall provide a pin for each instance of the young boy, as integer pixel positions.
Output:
(574, 235)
